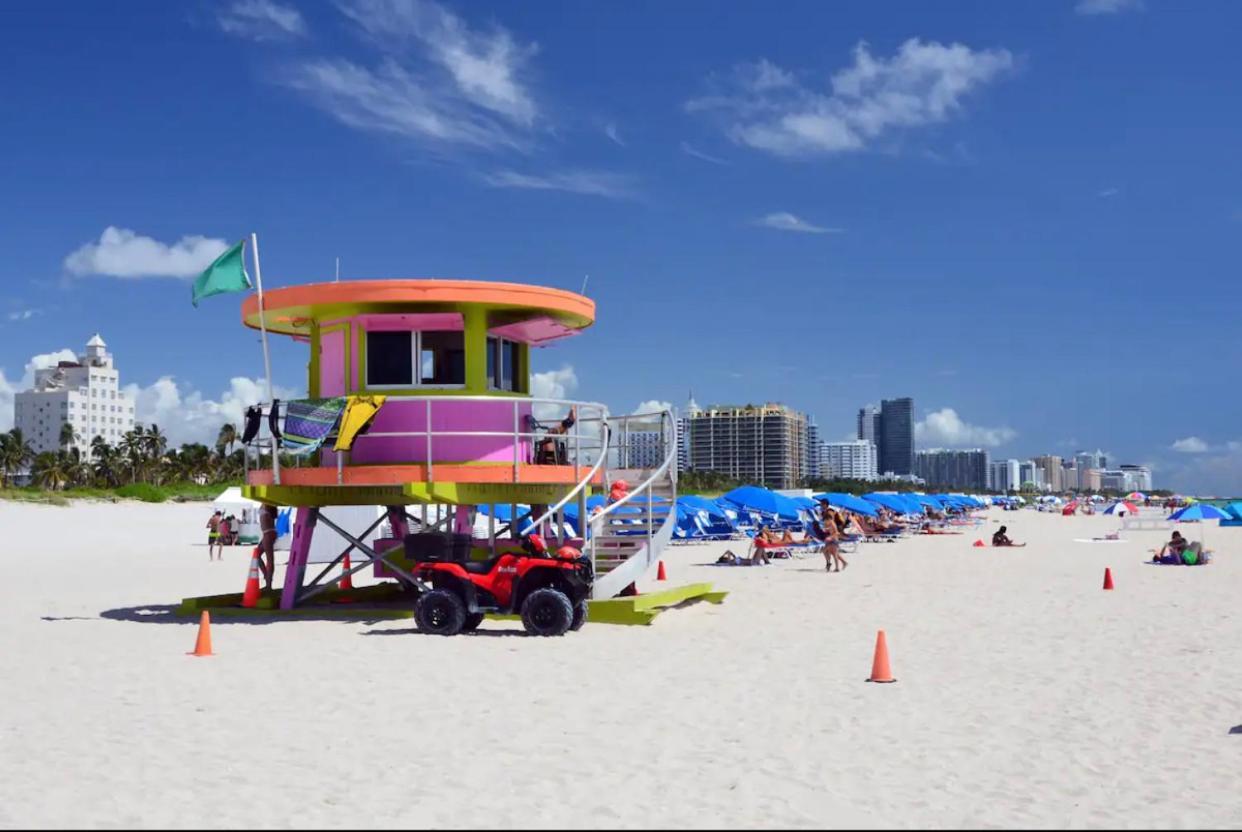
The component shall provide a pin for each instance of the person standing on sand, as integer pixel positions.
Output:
(267, 544)
(213, 532)
(830, 534)
(222, 536)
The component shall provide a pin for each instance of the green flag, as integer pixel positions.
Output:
(226, 274)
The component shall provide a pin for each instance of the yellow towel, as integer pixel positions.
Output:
(359, 411)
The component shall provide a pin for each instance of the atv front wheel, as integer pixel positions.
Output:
(547, 612)
(473, 620)
(580, 615)
(440, 612)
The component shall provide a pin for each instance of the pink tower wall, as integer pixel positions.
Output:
(332, 363)
(398, 415)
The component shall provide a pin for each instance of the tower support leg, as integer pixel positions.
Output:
(299, 552)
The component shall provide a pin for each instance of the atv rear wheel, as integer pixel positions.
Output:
(473, 620)
(580, 615)
(547, 612)
(440, 612)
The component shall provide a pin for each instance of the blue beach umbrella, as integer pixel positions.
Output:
(892, 502)
(1199, 511)
(848, 502)
(763, 501)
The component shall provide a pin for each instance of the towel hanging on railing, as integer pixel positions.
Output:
(359, 411)
(309, 422)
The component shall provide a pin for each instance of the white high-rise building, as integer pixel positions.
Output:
(643, 449)
(683, 433)
(855, 460)
(1006, 475)
(85, 394)
(810, 466)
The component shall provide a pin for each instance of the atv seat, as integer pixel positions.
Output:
(479, 567)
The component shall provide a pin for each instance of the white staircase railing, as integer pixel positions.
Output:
(627, 537)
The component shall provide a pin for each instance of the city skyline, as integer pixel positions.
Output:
(498, 141)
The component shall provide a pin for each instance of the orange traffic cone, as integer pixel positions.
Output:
(1108, 578)
(347, 582)
(880, 671)
(250, 597)
(660, 576)
(628, 592)
(202, 647)
(978, 543)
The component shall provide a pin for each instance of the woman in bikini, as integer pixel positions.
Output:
(831, 535)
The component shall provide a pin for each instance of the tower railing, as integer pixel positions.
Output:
(585, 444)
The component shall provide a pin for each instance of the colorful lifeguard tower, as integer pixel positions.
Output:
(420, 402)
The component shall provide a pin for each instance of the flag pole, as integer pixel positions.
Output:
(267, 357)
(258, 276)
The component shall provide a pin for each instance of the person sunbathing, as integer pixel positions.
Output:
(730, 559)
(787, 538)
(927, 528)
(1002, 539)
(875, 526)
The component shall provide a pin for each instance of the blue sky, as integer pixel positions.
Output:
(1026, 213)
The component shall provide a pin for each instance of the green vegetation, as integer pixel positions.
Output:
(140, 467)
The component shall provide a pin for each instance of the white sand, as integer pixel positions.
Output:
(1027, 696)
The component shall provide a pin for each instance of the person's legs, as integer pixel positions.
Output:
(267, 558)
(831, 554)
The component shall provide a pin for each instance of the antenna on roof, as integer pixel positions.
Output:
(584, 283)
(338, 270)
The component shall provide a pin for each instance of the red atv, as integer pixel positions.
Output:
(549, 591)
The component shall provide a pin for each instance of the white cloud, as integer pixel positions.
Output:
(262, 20)
(784, 221)
(945, 428)
(123, 253)
(186, 415)
(1108, 192)
(394, 101)
(8, 389)
(24, 314)
(7, 392)
(439, 82)
(610, 130)
(552, 384)
(691, 150)
(1106, 6)
(652, 406)
(767, 108)
(586, 182)
(1190, 445)
(484, 66)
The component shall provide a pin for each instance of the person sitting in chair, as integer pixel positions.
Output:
(549, 451)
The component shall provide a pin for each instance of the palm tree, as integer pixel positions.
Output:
(104, 462)
(51, 470)
(226, 438)
(132, 446)
(156, 442)
(67, 435)
(15, 453)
